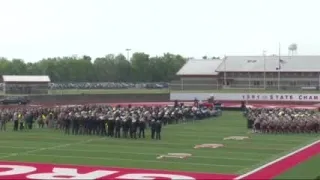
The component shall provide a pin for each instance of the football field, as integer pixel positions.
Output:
(236, 157)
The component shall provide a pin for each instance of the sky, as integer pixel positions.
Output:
(36, 29)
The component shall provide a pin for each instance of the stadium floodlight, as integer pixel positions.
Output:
(128, 54)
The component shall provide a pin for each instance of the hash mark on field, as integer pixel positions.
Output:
(43, 149)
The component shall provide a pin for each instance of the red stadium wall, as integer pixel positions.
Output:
(251, 98)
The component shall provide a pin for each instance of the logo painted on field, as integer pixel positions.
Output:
(236, 138)
(175, 155)
(15, 170)
(213, 146)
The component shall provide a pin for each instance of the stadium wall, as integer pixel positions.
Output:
(300, 99)
(266, 98)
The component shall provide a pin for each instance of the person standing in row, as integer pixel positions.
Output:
(158, 130)
(3, 120)
(15, 121)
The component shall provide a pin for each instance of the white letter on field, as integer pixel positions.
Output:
(70, 173)
(151, 176)
(16, 169)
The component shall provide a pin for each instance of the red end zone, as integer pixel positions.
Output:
(17, 170)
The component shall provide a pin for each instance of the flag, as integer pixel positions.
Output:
(282, 61)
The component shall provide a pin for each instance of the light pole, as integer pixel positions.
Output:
(279, 67)
(225, 71)
(249, 86)
(128, 54)
(264, 69)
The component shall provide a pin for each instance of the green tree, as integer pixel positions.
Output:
(110, 68)
(140, 67)
(123, 68)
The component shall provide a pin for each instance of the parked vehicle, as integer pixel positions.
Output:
(15, 100)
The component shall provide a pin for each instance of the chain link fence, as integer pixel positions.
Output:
(83, 88)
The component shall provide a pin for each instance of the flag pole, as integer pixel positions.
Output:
(279, 66)
(249, 82)
(264, 69)
(225, 71)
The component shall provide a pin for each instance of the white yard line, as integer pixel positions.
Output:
(167, 148)
(275, 161)
(189, 134)
(151, 154)
(16, 147)
(57, 148)
(45, 148)
(137, 160)
(160, 149)
(149, 142)
(234, 145)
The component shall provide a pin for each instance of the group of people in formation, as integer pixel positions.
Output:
(103, 120)
(283, 120)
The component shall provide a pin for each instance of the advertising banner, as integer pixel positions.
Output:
(246, 96)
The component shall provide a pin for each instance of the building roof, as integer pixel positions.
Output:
(14, 78)
(256, 63)
(200, 67)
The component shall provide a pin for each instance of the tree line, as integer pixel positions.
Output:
(110, 68)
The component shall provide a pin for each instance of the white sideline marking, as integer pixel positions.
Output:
(42, 149)
(275, 161)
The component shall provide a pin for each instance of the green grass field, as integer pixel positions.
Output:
(237, 157)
